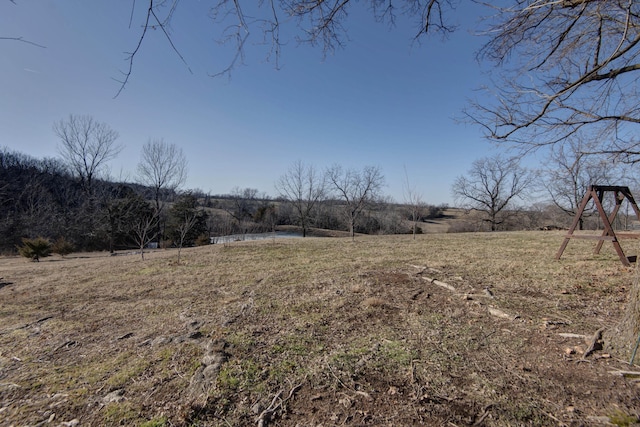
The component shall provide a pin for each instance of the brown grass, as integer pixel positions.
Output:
(316, 331)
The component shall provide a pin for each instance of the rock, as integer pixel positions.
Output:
(210, 373)
(205, 376)
(257, 408)
(160, 341)
(114, 396)
(215, 359)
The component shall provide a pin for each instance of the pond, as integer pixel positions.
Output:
(254, 236)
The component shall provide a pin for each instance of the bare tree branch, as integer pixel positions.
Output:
(574, 71)
(159, 24)
(23, 40)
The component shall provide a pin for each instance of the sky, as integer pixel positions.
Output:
(382, 100)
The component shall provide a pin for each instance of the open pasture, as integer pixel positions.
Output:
(448, 329)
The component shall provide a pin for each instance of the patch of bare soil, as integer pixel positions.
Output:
(445, 330)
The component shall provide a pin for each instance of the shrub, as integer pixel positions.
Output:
(62, 247)
(203, 240)
(35, 248)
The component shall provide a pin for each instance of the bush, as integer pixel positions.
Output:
(62, 247)
(35, 249)
(203, 240)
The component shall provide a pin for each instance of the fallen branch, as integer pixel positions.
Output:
(439, 283)
(276, 403)
(484, 415)
(569, 335)
(501, 314)
(634, 374)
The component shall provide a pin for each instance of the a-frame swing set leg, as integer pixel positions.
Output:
(596, 193)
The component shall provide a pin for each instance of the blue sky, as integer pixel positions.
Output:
(381, 101)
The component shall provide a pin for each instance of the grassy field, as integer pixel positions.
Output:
(447, 329)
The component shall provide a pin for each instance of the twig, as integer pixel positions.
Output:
(626, 373)
(264, 416)
(554, 418)
(336, 377)
(484, 415)
(67, 344)
(21, 39)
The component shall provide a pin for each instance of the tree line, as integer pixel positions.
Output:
(68, 199)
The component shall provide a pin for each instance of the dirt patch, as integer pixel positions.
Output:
(441, 330)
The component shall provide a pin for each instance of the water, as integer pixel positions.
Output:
(254, 236)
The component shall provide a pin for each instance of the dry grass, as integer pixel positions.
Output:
(316, 332)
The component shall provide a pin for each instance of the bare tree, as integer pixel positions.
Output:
(86, 145)
(414, 201)
(145, 229)
(243, 207)
(570, 170)
(189, 220)
(163, 168)
(358, 189)
(186, 222)
(491, 187)
(304, 188)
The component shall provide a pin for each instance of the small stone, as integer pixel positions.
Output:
(568, 351)
(160, 341)
(257, 408)
(114, 396)
(346, 402)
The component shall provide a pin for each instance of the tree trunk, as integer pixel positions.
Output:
(352, 228)
(623, 338)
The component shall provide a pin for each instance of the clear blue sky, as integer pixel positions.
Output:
(381, 101)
